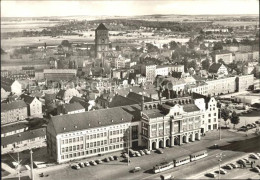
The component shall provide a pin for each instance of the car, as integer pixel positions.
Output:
(99, 161)
(146, 151)
(141, 152)
(125, 160)
(257, 122)
(258, 154)
(254, 156)
(137, 154)
(125, 155)
(111, 158)
(254, 124)
(233, 165)
(86, 164)
(242, 161)
(229, 167)
(213, 175)
(106, 159)
(256, 169)
(132, 153)
(136, 169)
(159, 151)
(222, 171)
(75, 166)
(93, 163)
(116, 158)
(81, 164)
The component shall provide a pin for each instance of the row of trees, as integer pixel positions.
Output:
(226, 115)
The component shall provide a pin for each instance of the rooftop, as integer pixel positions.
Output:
(13, 105)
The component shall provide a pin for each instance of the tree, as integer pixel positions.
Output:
(173, 45)
(65, 43)
(192, 64)
(234, 119)
(225, 115)
(218, 46)
(205, 64)
(221, 61)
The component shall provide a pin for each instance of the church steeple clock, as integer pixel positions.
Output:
(101, 41)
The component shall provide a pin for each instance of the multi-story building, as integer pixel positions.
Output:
(246, 56)
(59, 74)
(80, 135)
(200, 88)
(13, 111)
(244, 82)
(152, 124)
(11, 85)
(221, 86)
(30, 71)
(118, 62)
(67, 94)
(149, 71)
(162, 70)
(226, 56)
(34, 105)
(218, 69)
(176, 68)
(72, 108)
(8, 130)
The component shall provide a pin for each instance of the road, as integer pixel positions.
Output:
(119, 170)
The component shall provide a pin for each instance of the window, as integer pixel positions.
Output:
(74, 148)
(87, 145)
(81, 138)
(87, 136)
(74, 139)
(209, 121)
(215, 114)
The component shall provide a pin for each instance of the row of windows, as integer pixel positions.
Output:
(98, 135)
(72, 148)
(70, 140)
(98, 143)
(98, 150)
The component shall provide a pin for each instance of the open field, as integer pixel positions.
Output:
(235, 23)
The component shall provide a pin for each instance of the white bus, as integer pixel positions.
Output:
(163, 167)
(198, 155)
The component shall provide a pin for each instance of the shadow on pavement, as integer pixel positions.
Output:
(149, 171)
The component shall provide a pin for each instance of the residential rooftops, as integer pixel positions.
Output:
(13, 105)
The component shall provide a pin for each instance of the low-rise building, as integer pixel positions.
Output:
(226, 56)
(59, 74)
(12, 129)
(24, 140)
(72, 108)
(218, 69)
(67, 94)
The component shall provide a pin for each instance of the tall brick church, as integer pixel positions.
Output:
(101, 41)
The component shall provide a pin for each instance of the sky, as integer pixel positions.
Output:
(20, 8)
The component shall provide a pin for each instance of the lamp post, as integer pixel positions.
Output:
(219, 125)
(31, 165)
(128, 145)
(219, 156)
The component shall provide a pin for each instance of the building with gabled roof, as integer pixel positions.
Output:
(13, 111)
(218, 69)
(11, 85)
(34, 105)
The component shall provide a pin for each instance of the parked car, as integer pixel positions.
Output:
(137, 154)
(253, 155)
(86, 164)
(256, 169)
(106, 159)
(141, 152)
(228, 166)
(136, 169)
(233, 165)
(222, 171)
(111, 158)
(75, 166)
(257, 122)
(116, 158)
(242, 161)
(246, 160)
(81, 164)
(125, 155)
(258, 154)
(93, 163)
(99, 161)
(159, 151)
(212, 175)
(132, 153)
(146, 151)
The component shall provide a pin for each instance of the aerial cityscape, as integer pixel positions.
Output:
(130, 90)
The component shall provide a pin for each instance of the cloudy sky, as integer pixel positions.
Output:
(20, 8)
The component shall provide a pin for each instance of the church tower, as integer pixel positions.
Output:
(101, 41)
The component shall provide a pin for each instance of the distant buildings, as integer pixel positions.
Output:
(101, 41)
(149, 71)
(59, 74)
(218, 69)
(226, 56)
(66, 95)
(34, 106)
(243, 83)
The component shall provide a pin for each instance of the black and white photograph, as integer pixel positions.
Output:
(130, 89)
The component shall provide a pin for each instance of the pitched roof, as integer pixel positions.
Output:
(23, 136)
(83, 103)
(101, 26)
(214, 67)
(118, 100)
(190, 107)
(27, 99)
(90, 119)
(138, 98)
(13, 105)
(13, 127)
(6, 83)
(61, 93)
(73, 107)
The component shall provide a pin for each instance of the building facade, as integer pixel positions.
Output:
(243, 83)
(101, 41)
(149, 71)
(221, 86)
